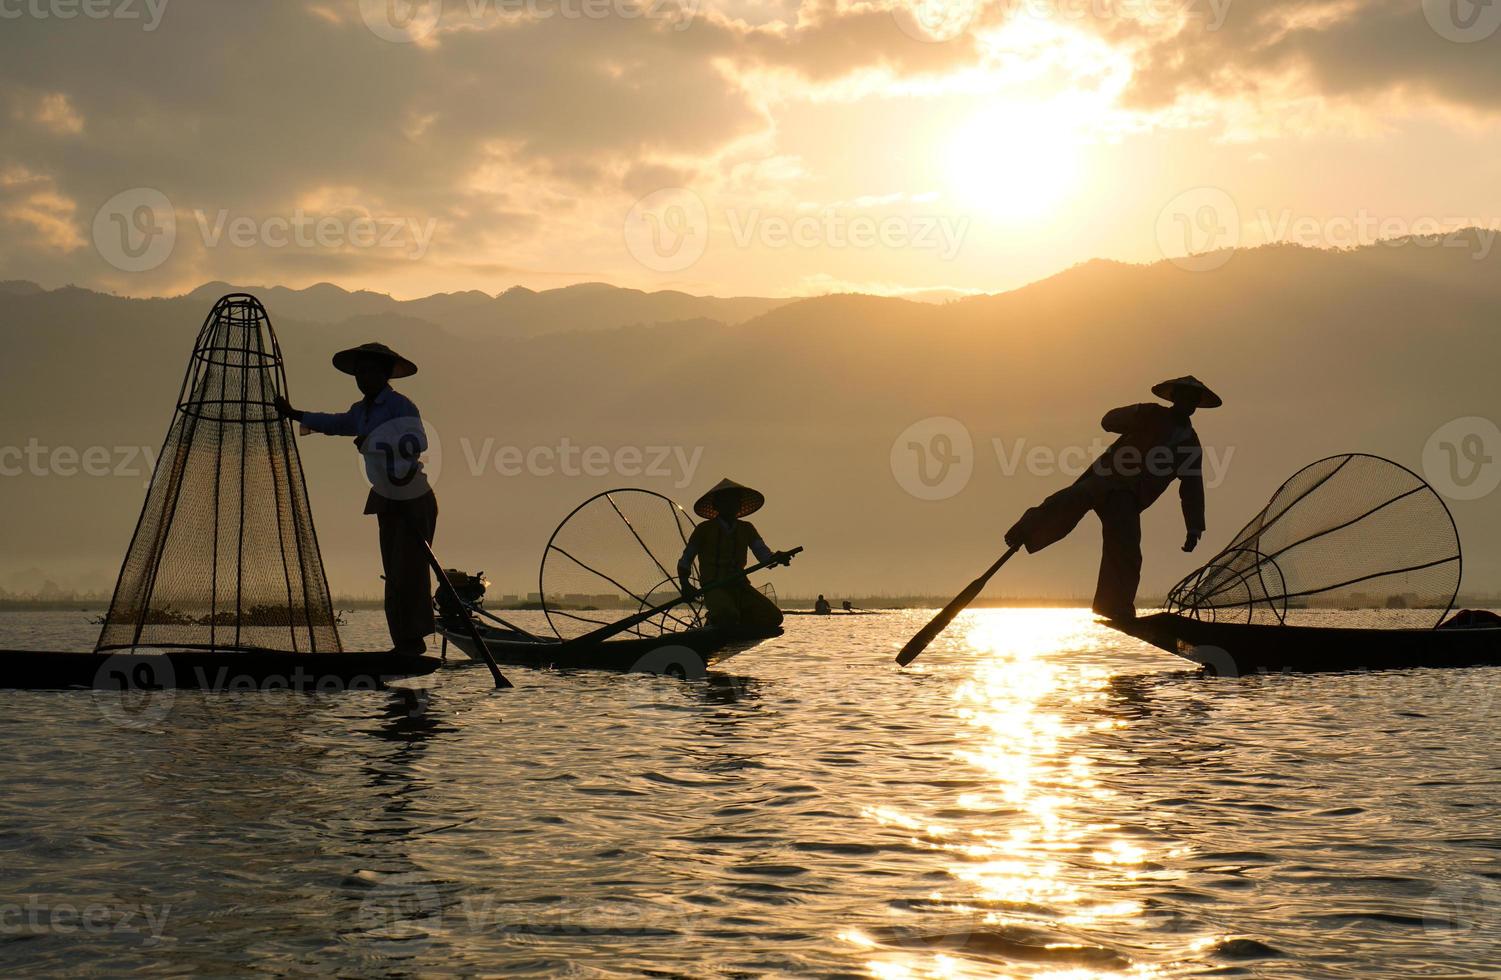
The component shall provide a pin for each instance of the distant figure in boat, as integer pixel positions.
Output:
(720, 546)
(822, 607)
(387, 431)
(1157, 445)
(847, 607)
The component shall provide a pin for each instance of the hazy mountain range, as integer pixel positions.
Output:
(1316, 352)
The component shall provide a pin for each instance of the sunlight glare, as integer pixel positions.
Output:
(1015, 164)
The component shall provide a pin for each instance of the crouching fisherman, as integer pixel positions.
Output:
(387, 431)
(720, 545)
(1157, 445)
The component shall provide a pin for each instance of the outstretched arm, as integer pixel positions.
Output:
(328, 423)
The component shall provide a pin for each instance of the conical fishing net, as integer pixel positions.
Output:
(224, 556)
(1347, 532)
(615, 555)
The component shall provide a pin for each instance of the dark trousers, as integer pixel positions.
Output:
(1120, 526)
(740, 606)
(404, 525)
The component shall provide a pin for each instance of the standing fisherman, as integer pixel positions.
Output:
(720, 545)
(1157, 445)
(387, 431)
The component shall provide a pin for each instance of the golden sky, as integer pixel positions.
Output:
(741, 147)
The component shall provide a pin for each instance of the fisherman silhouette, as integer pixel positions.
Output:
(720, 545)
(847, 607)
(388, 433)
(1157, 445)
(822, 607)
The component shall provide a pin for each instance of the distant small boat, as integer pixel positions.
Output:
(835, 612)
(1232, 649)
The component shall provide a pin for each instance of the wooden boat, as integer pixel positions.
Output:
(684, 654)
(834, 612)
(1235, 649)
(211, 670)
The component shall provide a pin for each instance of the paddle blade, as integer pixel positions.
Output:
(939, 623)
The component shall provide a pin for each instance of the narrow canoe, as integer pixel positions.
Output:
(834, 612)
(684, 654)
(212, 670)
(1233, 649)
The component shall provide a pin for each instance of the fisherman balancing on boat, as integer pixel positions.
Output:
(720, 546)
(388, 433)
(1157, 445)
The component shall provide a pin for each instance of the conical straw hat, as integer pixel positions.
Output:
(750, 500)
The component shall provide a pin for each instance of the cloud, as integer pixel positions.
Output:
(1337, 49)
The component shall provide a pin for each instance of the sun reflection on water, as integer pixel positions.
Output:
(1042, 863)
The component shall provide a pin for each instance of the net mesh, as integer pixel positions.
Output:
(1347, 532)
(224, 556)
(615, 555)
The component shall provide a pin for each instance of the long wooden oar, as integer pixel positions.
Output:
(479, 641)
(928, 633)
(620, 626)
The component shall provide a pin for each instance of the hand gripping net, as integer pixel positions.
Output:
(1348, 532)
(224, 556)
(615, 555)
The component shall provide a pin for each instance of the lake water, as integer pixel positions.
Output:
(1036, 797)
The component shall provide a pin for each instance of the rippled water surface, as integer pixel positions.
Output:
(1036, 797)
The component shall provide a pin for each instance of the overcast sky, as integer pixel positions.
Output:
(745, 147)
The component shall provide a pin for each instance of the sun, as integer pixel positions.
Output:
(1014, 164)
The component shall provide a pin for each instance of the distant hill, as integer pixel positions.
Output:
(517, 312)
(1316, 352)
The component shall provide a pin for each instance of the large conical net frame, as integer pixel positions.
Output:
(224, 556)
(1352, 531)
(616, 554)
